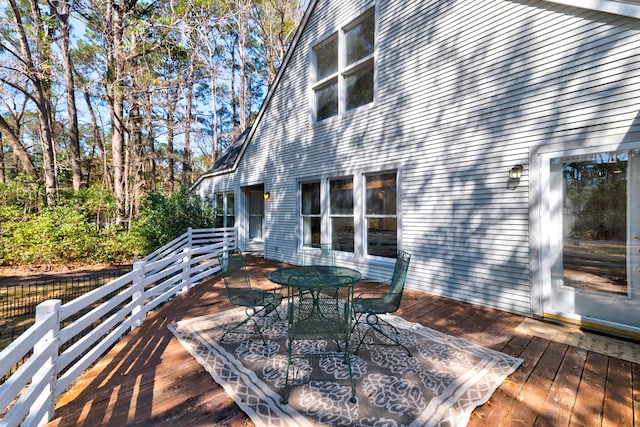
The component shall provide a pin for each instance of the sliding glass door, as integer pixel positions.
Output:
(591, 247)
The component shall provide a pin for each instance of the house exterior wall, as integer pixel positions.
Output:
(464, 91)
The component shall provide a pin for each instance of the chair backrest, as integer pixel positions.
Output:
(320, 307)
(396, 286)
(322, 255)
(234, 272)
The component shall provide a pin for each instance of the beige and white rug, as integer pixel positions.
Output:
(440, 386)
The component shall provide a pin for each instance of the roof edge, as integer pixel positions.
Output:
(267, 99)
(615, 7)
(276, 81)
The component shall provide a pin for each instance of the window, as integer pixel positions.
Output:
(311, 219)
(255, 199)
(224, 210)
(381, 215)
(355, 214)
(344, 68)
(341, 200)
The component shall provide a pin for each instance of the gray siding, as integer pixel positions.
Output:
(465, 90)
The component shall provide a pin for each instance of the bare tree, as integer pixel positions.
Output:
(38, 76)
(63, 11)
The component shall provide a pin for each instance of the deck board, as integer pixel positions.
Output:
(149, 379)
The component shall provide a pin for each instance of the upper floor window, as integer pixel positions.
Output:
(344, 68)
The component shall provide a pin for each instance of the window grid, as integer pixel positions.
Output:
(345, 82)
(369, 228)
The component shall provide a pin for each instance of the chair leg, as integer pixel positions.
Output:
(360, 337)
(250, 317)
(375, 323)
(285, 395)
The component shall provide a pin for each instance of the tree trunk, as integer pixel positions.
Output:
(138, 154)
(63, 11)
(18, 150)
(187, 167)
(171, 108)
(116, 64)
(242, 42)
(106, 170)
(151, 135)
(41, 82)
(3, 172)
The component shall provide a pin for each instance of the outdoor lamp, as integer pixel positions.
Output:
(516, 172)
(267, 195)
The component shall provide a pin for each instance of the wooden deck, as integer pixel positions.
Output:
(148, 378)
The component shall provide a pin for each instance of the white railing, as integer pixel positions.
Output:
(57, 349)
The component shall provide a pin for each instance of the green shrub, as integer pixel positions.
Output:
(163, 218)
(78, 228)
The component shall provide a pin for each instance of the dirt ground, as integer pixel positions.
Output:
(37, 273)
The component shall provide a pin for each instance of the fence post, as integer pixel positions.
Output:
(186, 269)
(190, 239)
(138, 292)
(49, 312)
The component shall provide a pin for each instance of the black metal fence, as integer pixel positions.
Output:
(20, 300)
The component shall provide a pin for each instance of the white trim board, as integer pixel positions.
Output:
(625, 8)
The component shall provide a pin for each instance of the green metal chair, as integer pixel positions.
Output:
(258, 303)
(319, 315)
(318, 255)
(370, 304)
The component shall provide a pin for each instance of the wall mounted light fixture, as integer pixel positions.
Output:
(516, 172)
(267, 195)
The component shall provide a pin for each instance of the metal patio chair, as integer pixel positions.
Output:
(319, 315)
(370, 304)
(318, 255)
(258, 303)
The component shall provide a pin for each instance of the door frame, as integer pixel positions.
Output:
(539, 216)
(251, 245)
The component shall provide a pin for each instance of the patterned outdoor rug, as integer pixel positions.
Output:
(441, 384)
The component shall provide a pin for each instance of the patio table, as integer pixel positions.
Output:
(282, 275)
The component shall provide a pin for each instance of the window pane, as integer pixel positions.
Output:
(311, 198)
(594, 222)
(230, 204)
(360, 40)
(327, 58)
(341, 195)
(359, 88)
(219, 210)
(382, 237)
(381, 194)
(342, 232)
(311, 231)
(327, 101)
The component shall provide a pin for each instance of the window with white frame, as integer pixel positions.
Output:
(341, 213)
(311, 214)
(224, 209)
(344, 68)
(329, 214)
(381, 214)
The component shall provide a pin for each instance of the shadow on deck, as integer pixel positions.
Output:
(148, 378)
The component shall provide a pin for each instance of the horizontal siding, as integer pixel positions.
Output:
(465, 90)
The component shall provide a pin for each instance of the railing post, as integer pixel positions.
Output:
(138, 292)
(186, 269)
(190, 234)
(49, 312)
